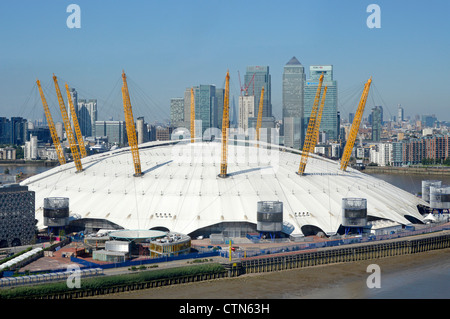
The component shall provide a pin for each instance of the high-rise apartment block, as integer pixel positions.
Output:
(177, 112)
(246, 111)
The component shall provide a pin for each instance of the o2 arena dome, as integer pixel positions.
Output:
(181, 191)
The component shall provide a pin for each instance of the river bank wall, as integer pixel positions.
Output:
(407, 170)
(20, 162)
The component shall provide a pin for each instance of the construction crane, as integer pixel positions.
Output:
(355, 126)
(309, 139)
(259, 120)
(225, 124)
(51, 126)
(244, 88)
(76, 124)
(192, 116)
(318, 120)
(68, 127)
(131, 130)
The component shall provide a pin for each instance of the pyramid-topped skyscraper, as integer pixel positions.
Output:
(293, 61)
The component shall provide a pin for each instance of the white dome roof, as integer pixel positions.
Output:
(181, 191)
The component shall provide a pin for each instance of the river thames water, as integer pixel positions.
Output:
(424, 276)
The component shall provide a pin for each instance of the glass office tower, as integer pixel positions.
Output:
(257, 77)
(206, 108)
(293, 103)
(328, 124)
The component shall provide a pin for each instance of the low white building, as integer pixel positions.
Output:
(381, 154)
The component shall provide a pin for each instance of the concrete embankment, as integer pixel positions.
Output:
(21, 162)
(407, 170)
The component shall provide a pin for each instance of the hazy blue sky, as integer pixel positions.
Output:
(166, 46)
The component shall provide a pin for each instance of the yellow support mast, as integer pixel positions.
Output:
(225, 125)
(355, 127)
(68, 127)
(259, 120)
(51, 126)
(309, 139)
(76, 125)
(318, 120)
(131, 130)
(192, 116)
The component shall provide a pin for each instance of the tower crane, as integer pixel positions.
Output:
(260, 112)
(76, 124)
(225, 125)
(244, 88)
(192, 116)
(68, 127)
(355, 126)
(309, 139)
(131, 130)
(51, 125)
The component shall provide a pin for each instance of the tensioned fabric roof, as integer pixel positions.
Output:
(180, 189)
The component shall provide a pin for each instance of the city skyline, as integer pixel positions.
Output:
(166, 47)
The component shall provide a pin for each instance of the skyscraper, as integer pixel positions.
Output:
(74, 96)
(293, 103)
(328, 123)
(382, 114)
(206, 108)
(87, 116)
(257, 77)
(351, 116)
(401, 114)
(86, 111)
(19, 130)
(5, 130)
(376, 124)
(220, 95)
(187, 108)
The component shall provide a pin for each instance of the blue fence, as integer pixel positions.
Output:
(131, 263)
